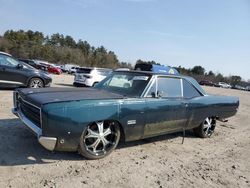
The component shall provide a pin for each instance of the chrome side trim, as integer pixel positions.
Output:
(10, 82)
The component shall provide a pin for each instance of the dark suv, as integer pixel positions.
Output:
(33, 63)
(14, 73)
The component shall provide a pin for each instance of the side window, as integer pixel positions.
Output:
(8, 61)
(189, 91)
(169, 87)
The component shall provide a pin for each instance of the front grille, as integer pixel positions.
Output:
(30, 111)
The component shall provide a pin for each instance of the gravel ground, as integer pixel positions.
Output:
(220, 161)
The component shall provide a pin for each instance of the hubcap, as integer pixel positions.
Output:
(100, 137)
(36, 83)
(208, 126)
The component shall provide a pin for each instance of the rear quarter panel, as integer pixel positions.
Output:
(211, 106)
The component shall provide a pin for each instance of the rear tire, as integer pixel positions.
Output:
(206, 128)
(99, 139)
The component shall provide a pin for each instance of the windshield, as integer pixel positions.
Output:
(125, 83)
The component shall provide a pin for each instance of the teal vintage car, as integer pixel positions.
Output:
(126, 105)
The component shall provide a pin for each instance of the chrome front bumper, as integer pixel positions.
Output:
(47, 142)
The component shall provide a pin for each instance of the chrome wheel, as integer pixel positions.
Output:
(208, 126)
(36, 83)
(99, 139)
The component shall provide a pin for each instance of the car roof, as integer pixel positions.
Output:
(4, 53)
(150, 73)
(188, 78)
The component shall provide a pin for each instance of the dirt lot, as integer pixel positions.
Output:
(221, 161)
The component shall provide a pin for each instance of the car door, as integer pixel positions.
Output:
(166, 108)
(195, 109)
(11, 73)
(132, 113)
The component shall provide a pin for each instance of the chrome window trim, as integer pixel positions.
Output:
(155, 77)
(182, 91)
(148, 86)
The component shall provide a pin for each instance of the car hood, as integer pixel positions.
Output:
(42, 96)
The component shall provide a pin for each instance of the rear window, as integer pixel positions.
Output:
(189, 91)
(84, 70)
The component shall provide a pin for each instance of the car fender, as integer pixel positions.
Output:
(67, 120)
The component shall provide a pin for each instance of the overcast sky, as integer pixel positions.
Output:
(212, 33)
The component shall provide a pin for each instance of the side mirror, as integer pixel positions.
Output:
(153, 95)
(160, 94)
(19, 66)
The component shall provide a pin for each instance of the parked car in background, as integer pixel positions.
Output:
(33, 63)
(224, 85)
(73, 70)
(54, 70)
(206, 83)
(90, 76)
(127, 105)
(248, 88)
(239, 87)
(51, 68)
(122, 69)
(14, 73)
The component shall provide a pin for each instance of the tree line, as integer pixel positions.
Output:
(60, 49)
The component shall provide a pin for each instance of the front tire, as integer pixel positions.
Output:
(99, 139)
(36, 83)
(206, 128)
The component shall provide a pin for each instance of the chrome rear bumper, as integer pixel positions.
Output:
(47, 142)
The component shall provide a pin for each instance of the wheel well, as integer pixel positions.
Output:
(214, 118)
(122, 138)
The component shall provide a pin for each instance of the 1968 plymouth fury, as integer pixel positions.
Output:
(128, 105)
